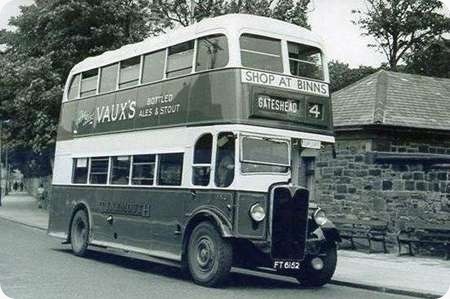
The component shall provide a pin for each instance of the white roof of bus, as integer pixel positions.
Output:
(227, 23)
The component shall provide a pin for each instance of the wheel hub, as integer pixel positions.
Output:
(205, 254)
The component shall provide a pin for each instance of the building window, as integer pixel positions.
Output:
(212, 52)
(170, 169)
(99, 170)
(153, 69)
(261, 52)
(143, 170)
(129, 72)
(225, 158)
(108, 78)
(80, 171)
(179, 60)
(201, 168)
(120, 170)
(74, 87)
(305, 61)
(89, 83)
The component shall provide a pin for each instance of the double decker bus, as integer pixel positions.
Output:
(197, 147)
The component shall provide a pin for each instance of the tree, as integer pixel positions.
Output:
(431, 60)
(49, 38)
(171, 13)
(398, 26)
(341, 75)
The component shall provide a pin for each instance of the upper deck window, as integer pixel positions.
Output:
(179, 60)
(305, 61)
(108, 78)
(212, 52)
(129, 72)
(261, 52)
(89, 83)
(153, 69)
(74, 87)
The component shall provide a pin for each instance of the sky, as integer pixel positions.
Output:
(329, 18)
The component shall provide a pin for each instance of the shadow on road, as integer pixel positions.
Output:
(236, 281)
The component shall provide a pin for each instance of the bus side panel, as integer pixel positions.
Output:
(58, 212)
(213, 97)
(167, 219)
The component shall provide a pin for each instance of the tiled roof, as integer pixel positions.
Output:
(394, 99)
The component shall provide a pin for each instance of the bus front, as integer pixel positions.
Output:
(286, 116)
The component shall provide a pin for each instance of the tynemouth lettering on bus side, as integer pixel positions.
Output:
(287, 82)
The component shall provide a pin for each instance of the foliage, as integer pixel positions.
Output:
(399, 26)
(431, 60)
(341, 75)
(172, 13)
(49, 38)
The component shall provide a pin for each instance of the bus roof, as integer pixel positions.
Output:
(229, 24)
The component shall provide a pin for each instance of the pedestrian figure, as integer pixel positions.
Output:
(21, 186)
(15, 185)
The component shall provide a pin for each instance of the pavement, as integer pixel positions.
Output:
(422, 277)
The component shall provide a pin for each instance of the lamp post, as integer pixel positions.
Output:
(1, 151)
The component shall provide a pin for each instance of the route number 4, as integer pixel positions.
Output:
(315, 111)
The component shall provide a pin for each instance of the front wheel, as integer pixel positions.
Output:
(209, 255)
(310, 277)
(79, 233)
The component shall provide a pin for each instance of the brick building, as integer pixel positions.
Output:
(392, 151)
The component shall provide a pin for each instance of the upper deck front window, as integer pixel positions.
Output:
(261, 52)
(305, 61)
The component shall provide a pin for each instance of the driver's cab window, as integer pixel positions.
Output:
(225, 159)
(201, 167)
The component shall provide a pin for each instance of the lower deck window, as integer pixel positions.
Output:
(143, 170)
(99, 170)
(120, 170)
(170, 169)
(80, 171)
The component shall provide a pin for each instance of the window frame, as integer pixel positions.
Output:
(194, 165)
(155, 164)
(74, 166)
(111, 174)
(227, 50)
(258, 35)
(241, 150)
(89, 90)
(321, 67)
(137, 79)
(158, 172)
(108, 171)
(192, 64)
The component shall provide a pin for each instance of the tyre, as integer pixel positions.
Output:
(309, 277)
(209, 256)
(79, 233)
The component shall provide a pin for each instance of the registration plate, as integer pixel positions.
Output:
(286, 265)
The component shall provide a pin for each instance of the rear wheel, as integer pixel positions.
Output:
(209, 255)
(311, 277)
(79, 233)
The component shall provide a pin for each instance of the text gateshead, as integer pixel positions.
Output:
(286, 82)
(276, 105)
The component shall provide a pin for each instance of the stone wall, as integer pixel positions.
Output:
(356, 185)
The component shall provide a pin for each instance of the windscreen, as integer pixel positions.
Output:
(265, 151)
